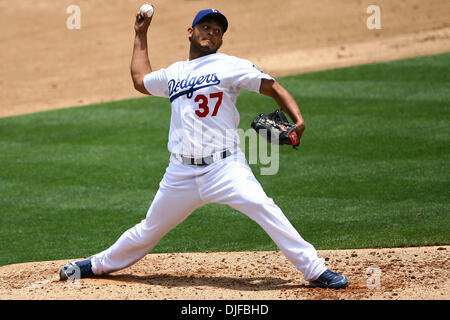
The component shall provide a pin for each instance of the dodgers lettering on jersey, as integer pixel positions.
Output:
(188, 85)
(203, 94)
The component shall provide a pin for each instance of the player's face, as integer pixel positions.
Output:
(206, 36)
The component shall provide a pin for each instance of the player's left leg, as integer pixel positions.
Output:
(232, 182)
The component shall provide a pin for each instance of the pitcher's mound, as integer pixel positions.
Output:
(389, 273)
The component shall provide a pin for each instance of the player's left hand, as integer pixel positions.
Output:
(300, 128)
(276, 129)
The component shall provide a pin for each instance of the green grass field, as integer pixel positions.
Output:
(372, 171)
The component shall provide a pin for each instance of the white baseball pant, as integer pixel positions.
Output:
(186, 187)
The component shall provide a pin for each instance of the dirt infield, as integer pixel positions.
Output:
(390, 273)
(47, 66)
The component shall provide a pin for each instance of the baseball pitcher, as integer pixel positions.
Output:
(206, 164)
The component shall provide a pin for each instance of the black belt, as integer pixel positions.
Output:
(205, 160)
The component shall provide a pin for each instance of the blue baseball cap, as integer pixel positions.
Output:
(216, 14)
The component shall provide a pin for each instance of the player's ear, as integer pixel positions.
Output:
(189, 32)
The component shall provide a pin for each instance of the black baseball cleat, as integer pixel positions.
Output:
(330, 279)
(77, 270)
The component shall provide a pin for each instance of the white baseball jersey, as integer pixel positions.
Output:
(203, 94)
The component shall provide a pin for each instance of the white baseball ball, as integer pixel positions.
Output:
(146, 10)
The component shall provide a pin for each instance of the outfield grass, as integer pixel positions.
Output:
(372, 170)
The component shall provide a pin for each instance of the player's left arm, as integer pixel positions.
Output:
(285, 101)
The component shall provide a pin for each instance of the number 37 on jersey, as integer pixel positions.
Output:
(208, 104)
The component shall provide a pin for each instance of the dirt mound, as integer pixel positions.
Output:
(383, 274)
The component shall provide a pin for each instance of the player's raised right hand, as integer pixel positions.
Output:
(142, 23)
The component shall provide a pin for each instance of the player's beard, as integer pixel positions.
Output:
(196, 46)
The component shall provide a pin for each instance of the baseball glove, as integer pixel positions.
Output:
(276, 129)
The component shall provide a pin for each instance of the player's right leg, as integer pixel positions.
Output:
(166, 212)
(176, 198)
